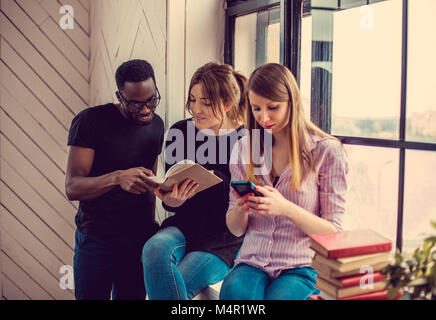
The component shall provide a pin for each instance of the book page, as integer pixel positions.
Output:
(196, 172)
(179, 166)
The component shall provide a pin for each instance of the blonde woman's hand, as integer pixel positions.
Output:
(272, 203)
(240, 205)
(177, 197)
(237, 220)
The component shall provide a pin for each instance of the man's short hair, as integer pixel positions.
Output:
(134, 71)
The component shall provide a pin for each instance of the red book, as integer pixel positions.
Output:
(354, 281)
(378, 295)
(336, 245)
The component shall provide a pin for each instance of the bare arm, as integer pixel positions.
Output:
(274, 204)
(79, 186)
(308, 222)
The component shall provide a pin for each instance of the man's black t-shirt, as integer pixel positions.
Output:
(118, 145)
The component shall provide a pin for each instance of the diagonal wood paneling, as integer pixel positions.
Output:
(44, 83)
(124, 30)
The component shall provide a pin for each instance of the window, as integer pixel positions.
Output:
(419, 197)
(366, 72)
(363, 68)
(372, 195)
(257, 39)
(421, 68)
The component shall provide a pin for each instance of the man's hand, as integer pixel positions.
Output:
(133, 180)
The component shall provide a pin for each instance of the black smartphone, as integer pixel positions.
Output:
(245, 187)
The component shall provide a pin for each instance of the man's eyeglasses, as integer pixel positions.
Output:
(137, 106)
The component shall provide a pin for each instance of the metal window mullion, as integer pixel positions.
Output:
(247, 7)
(384, 143)
(229, 43)
(402, 166)
(290, 35)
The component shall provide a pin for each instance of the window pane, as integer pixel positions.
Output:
(419, 197)
(257, 39)
(372, 195)
(340, 4)
(366, 70)
(273, 40)
(332, 4)
(421, 65)
(351, 3)
(245, 43)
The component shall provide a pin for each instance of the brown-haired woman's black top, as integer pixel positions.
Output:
(202, 219)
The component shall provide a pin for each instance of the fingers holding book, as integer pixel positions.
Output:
(179, 194)
(188, 188)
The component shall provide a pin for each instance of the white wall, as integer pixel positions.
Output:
(205, 24)
(195, 37)
(44, 82)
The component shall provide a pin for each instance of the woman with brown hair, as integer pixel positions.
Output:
(194, 247)
(303, 192)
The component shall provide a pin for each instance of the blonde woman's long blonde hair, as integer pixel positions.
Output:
(277, 83)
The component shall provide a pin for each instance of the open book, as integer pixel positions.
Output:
(183, 170)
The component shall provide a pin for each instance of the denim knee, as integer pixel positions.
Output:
(153, 250)
(229, 291)
(161, 245)
(231, 288)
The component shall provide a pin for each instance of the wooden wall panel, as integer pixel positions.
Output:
(44, 83)
(121, 31)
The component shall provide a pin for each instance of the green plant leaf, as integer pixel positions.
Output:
(417, 282)
(392, 292)
(417, 273)
(432, 240)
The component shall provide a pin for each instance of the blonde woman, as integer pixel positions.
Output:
(303, 193)
(194, 248)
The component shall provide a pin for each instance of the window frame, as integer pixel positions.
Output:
(290, 30)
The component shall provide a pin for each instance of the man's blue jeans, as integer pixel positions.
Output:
(108, 264)
(250, 283)
(170, 274)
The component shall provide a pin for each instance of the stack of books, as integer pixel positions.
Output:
(349, 264)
